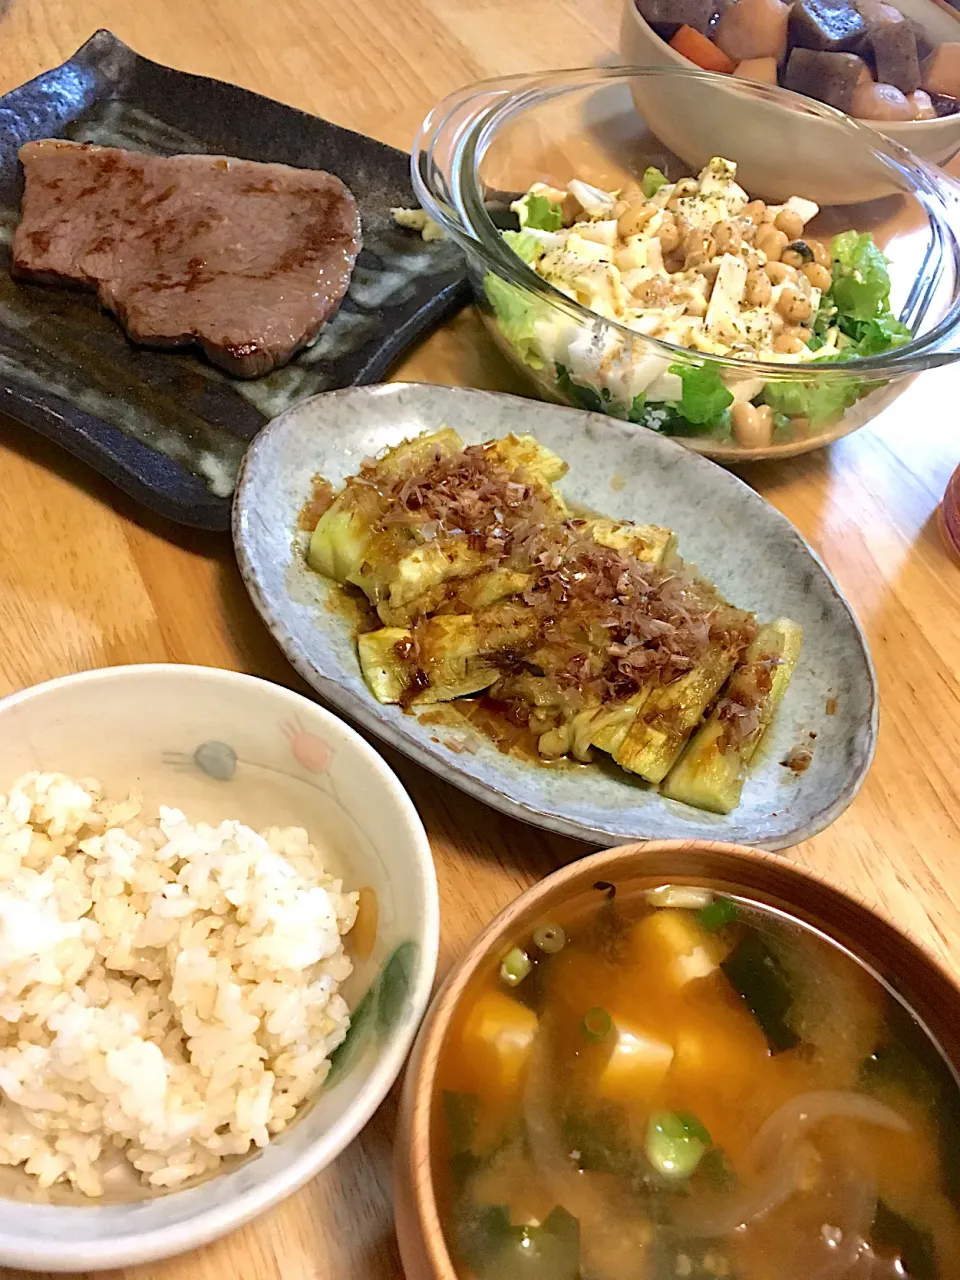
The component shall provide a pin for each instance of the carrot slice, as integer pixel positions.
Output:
(700, 51)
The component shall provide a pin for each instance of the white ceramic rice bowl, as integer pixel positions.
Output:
(222, 745)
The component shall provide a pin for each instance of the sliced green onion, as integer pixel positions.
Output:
(514, 967)
(549, 938)
(596, 1024)
(675, 1143)
(718, 914)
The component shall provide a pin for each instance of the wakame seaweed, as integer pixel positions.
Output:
(496, 1250)
(755, 971)
(912, 1246)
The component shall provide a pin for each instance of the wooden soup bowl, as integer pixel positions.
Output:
(763, 877)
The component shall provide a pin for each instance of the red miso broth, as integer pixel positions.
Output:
(671, 1083)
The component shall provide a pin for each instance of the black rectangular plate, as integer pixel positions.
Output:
(167, 427)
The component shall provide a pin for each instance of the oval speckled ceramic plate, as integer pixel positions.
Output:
(754, 555)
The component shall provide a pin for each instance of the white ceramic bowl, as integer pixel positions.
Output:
(222, 745)
(934, 140)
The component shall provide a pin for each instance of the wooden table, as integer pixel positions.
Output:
(87, 579)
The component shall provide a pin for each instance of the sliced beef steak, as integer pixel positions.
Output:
(246, 259)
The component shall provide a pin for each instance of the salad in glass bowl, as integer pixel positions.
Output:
(738, 297)
(695, 263)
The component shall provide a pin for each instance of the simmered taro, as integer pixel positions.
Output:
(829, 77)
(685, 1085)
(754, 29)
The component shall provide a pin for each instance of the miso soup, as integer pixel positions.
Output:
(672, 1083)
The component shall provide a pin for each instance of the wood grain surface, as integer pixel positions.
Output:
(87, 579)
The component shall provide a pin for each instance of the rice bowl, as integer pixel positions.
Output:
(169, 992)
(218, 744)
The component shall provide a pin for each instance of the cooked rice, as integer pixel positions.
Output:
(168, 991)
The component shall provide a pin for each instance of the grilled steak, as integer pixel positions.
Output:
(246, 259)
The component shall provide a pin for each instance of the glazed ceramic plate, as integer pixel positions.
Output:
(754, 555)
(166, 426)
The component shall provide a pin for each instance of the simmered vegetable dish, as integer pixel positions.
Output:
(670, 1083)
(865, 57)
(592, 633)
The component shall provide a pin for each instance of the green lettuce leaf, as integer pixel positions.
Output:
(819, 400)
(652, 181)
(704, 397)
(524, 245)
(667, 418)
(871, 337)
(537, 212)
(861, 281)
(516, 313)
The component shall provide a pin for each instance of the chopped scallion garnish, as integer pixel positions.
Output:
(597, 1024)
(675, 1143)
(717, 914)
(514, 967)
(549, 938)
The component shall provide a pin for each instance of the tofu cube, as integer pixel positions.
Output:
(672, 943)
(497, 1038)
(724, 308)
(719, 1050)
(637, 1066)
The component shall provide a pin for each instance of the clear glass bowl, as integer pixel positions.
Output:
(483, 146)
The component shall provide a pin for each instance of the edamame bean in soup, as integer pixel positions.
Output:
(672, 1083)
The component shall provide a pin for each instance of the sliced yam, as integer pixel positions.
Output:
(941, 70)
(880, 102)
(754, 29)
(709, 774)
(670, 713)
(637, 1066)
(763, 70)
(701, 51)
(496, 1041)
